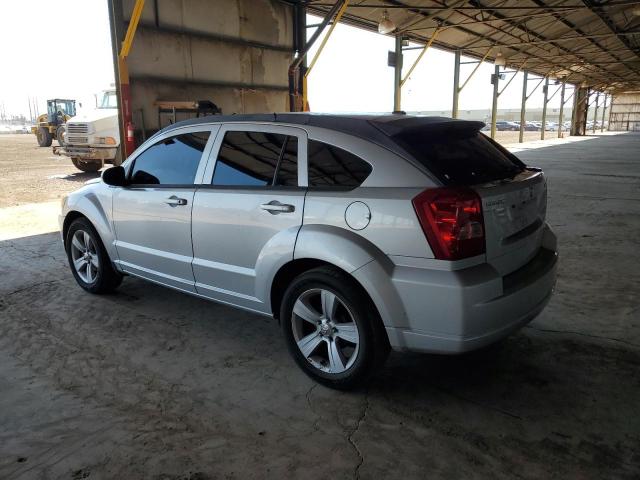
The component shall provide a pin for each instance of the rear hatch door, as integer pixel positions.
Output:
(513, 196)
(514, 213)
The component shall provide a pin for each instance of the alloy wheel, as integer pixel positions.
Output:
(325, 330)
(85, 256)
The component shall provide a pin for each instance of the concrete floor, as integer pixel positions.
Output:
(149, 383)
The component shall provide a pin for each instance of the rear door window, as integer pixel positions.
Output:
(256, 159)
(463, 157)
(333, 167)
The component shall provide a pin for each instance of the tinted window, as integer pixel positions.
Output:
(331, 166)
(462, 157)
(173, 161)
(251, 159)
(288, 167)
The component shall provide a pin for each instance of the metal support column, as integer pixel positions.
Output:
(397, 76)
(545, 90)
(523, 106)
(604, 109)
(495, 79)
(456, 84)
(560, 115)
(595, 113)
(574, 109)
(297, 79)
(128, 142)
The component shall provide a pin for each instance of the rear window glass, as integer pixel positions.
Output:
(464, 157)
(333, 167)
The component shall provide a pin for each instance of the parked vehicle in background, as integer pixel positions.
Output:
(503, 126)
(551, 127)
(531, 127)
(92, 138)
(50, 125)
(358, 233)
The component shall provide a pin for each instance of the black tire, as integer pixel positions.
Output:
(107, 278)
(60, 135)
(373, 346)
(117, 161)
(44, 137)
(86, 165)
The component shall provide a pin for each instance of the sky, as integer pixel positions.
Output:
(38, 41)
(350, 75)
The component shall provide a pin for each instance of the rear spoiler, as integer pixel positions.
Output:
(426, 125)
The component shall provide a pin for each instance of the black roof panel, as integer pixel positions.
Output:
(377, 128)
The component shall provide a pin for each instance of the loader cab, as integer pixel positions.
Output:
(60, 110)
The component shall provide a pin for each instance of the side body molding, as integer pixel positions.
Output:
(371, 267)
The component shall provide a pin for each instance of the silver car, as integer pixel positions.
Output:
(358, 233)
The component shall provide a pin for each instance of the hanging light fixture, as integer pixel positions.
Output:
(584, 84)
(386, 25)
(500, 60)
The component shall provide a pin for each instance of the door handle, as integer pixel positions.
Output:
(274, 207)
(175, 201)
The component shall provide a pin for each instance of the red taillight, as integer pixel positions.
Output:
(451, 219)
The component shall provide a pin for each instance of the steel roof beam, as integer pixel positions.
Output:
(597, 10)
(578, 30)
(541, 38)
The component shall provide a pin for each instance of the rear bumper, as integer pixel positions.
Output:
(86, 153)
(459, 311)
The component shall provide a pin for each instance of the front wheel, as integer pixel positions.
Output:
(332, 329)
(44, 137)
(60, 133)
(86, 165)
(88, 259)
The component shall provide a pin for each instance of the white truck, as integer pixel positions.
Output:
(92, 138)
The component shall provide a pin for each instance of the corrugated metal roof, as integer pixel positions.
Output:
(597, 42)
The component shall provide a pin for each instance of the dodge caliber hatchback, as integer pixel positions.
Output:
(357, 233)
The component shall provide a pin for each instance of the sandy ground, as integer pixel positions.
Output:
(150, 383)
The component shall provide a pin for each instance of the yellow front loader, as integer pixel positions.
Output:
(51, 125)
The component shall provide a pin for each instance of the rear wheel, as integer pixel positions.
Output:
(44, 137)
(332, 329)
(60, 135)
(88, 259)
(86, 165)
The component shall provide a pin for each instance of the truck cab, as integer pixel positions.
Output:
(92, 138)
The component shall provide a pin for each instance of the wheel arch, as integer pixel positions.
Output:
(368, 266)
(92, 206)
(285, 275)
(68, 220)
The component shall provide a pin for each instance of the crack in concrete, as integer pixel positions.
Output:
(308, 397)
(29, 287)
(478, 404)
(36, 254)
(573, 332)
(365, 410)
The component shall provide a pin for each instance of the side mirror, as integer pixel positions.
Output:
(115, 176)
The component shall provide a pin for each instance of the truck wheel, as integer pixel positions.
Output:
(86, 165)
(60, 135)
(117, 161)
(44, 137)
